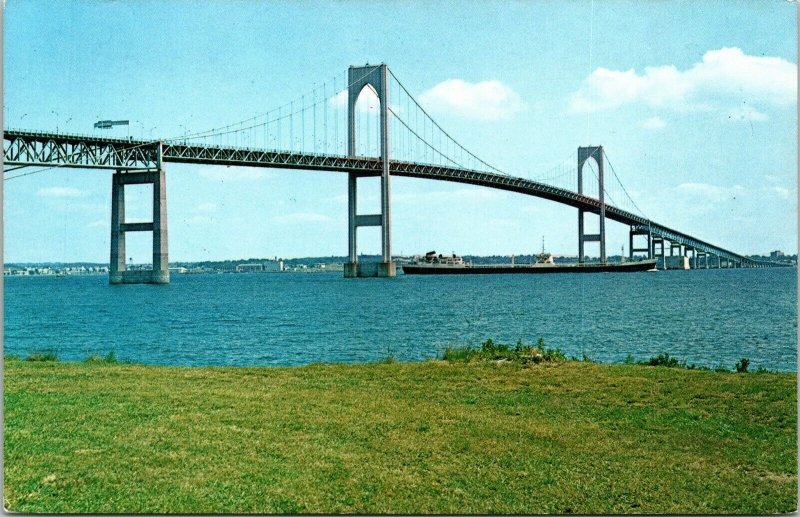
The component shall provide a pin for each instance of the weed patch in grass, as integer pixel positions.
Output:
(109, 358)
(41, 358)
(665, 360)
(529, 354)
(742, 365)
(491, 351)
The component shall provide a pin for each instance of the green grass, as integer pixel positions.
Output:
(432, 437)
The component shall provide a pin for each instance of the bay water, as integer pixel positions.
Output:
(707, 317)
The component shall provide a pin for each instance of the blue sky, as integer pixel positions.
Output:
(695, 104)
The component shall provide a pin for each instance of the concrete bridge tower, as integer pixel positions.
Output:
(118, 272)
(584, 154)
(376, 77)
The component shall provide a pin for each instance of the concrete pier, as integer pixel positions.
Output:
(118, 273)
(676, 262)
(370, 269)
(351, 270)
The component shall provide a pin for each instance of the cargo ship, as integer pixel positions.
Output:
(433, 264)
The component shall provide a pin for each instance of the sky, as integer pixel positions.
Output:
(694, 103)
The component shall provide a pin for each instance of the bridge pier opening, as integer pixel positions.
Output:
(631, 242)
(584, 154)
(693, 258)
(377, 78)
(118, 272)
(704, 256)
(658, 240)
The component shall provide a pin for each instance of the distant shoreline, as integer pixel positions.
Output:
(339, 260)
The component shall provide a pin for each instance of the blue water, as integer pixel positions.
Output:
(706, 316)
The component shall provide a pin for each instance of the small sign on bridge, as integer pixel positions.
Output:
(108, 124)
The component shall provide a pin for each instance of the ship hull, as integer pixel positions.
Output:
(524, 269)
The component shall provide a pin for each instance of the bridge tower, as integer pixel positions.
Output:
(376, 77)
(584, 154)
(159, 274)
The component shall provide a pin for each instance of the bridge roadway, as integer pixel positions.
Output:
(27, 148)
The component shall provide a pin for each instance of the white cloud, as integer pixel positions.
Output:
(223, 173)
(781, 192)
(486, 100)
(474, 194)
(699, 193)
(301, 217)
(745, 114)
(339, 199)
(724, 79)
(711, 192)
(207, 207)
(445, 196)
(367, 101)
(59, 192)
(653, 123)
(198, 219)
(338, 101)
(771, 79)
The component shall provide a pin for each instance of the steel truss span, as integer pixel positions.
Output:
(26, 148)
(57, 150)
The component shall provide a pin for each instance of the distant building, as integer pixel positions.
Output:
(274, 266)
(179, 269)
(249, 268)
(776, 254)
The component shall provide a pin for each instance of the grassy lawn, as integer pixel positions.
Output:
(431, 437)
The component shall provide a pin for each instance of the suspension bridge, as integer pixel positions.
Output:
(318, 131)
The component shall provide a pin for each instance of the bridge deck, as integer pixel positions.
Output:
(26, 148)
